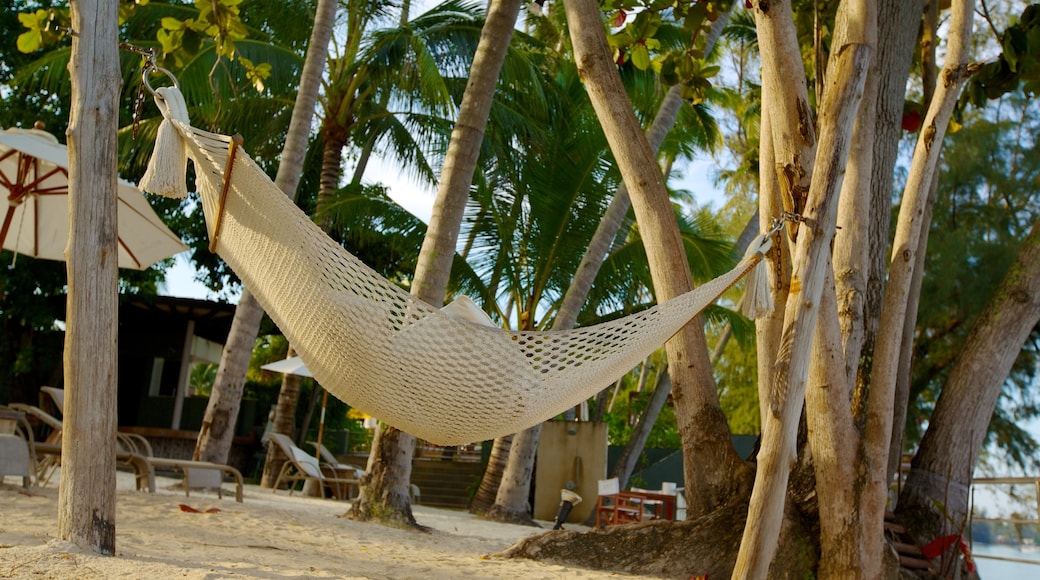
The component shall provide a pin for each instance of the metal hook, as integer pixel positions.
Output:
(151, 66)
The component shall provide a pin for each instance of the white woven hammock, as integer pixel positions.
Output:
(428, 372)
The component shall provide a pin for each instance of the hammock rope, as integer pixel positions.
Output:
(444, 375)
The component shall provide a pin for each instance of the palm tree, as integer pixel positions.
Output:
(668, 111)
(385, 491)
(218, 424)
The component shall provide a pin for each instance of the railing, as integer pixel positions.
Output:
(989, 481)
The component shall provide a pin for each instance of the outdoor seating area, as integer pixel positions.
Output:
(132, 452)
(615, 506)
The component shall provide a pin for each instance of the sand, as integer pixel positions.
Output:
(267, 536)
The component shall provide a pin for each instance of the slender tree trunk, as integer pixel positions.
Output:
(880, 398)
(626, 463)
(834, 443)
(87, 492)
(512, 503)
(384, 489)
(950, 447)
(901, 398)
(485, 497)
(898, 22)
(599, 247)
(284, 423)
(810, 266)
(218, 426)
(696, 400)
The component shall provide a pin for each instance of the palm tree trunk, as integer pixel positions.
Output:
(697, 406)
(485, 496)
(384, 489)
(87, 493)
(218, 425)
(608, 228)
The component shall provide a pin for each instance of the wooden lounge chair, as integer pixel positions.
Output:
(302, 466)
(132, 451)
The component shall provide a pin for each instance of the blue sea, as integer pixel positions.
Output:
(1004, 570)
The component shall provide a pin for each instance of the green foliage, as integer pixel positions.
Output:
(1017, 66)
(987, 203)
(637, 28)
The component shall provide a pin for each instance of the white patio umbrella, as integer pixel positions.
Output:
(292, 366)
(34, 178)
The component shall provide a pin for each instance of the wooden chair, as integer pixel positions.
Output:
(302, 466)
(614, 506)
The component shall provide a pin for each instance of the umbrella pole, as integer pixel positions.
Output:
(321, 418)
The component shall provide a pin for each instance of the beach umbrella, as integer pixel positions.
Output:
(294, 366)
(290, 366)
(35, 178)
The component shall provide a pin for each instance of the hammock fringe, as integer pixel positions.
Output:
(168, 165)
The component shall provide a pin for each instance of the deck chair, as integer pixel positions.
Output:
(132, 452)
(329, 461)
(197, 474)
(17, 452)
(302, 466)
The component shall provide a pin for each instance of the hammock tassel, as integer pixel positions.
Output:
(757, 301)
(169, 163)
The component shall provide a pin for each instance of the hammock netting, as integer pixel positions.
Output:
(383, 351)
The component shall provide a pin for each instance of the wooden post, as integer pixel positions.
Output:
(86, 496)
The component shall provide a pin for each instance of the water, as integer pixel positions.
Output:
(1001, 570)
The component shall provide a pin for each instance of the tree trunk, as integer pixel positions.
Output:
(284, 423)
(898, 24)
(485, 496)
(901, 397)
(512, 503)
(697, 408)
(945, 460)
(381, 488)
(218, 425)
(880, 398)
(605, 234)
(87, 491)
(626, 463)
(810, 266)
(386, 483)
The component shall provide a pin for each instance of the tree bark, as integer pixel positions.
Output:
(381, 488)
(284, 423)
(512, 503)
(87, 491)
(485, 496)
(218, 426)
(697, 406)
(898, 23)
(626, 463)
(842, 99)
(945, 460)
(901, 397)
(880, 398)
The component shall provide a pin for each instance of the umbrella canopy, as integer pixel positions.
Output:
(292, 365)
(34, 176)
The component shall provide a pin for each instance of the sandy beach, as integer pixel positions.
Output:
(267, 536)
